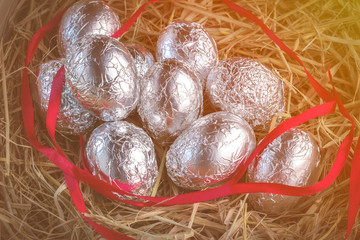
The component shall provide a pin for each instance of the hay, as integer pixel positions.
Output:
(34, 201)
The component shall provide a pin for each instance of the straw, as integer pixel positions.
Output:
(34, 202)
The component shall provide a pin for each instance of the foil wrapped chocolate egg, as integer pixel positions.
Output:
(188, 42)
(123, 154)
(291, 159)
(210, 150)
(72, 118)
(103, 78)
(142, 57)
(171, 99)
(246, 88)
(86, 18)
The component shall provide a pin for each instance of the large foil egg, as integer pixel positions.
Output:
(142, 57)
(123, 154)
(188, 42)
(171, 99)
(210, 150)
(247, 88)
(291, 159)
(86, 18)
(103, 78)
(72, 118)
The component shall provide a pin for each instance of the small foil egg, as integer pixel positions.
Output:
(210, 150)
(171, 99)
(246, 88)
(72, 118)
(191, 43)
(86, 18)
(142, 57)
(124, 155)
(103, 78)
(291, 159)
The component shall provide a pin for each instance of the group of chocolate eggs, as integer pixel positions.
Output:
(107, 80)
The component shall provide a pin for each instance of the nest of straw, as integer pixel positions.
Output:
(34, 201)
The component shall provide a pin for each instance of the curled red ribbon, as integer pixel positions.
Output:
(73, 174)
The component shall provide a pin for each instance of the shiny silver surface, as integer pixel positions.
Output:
(191, 43)
(291, 159)
(210, 150)
(120, 152)
(143, 59)
(246, 88)
(86, 18)
(171, 99)
(72, 118)
(103, 78)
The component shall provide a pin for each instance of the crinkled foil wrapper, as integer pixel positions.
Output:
(103, 78)
(171, 99)
(210, 150)
(142, 57)
(191, 43)
(72, 118)
(246, 88)
(120, 152)
(86, 18)
(291, 159)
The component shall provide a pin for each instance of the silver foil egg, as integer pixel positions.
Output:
(86, 18)
(72, 118)
(210, 150)
(171, 99)
(103, 78)
(291, 159)
(123, 154)
(246, 88)
(191, 43)
(142, 57)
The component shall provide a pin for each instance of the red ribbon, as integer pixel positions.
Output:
(72, 173)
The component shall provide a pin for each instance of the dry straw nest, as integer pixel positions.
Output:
(34, 200)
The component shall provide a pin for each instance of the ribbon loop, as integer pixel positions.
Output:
(73, 174)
